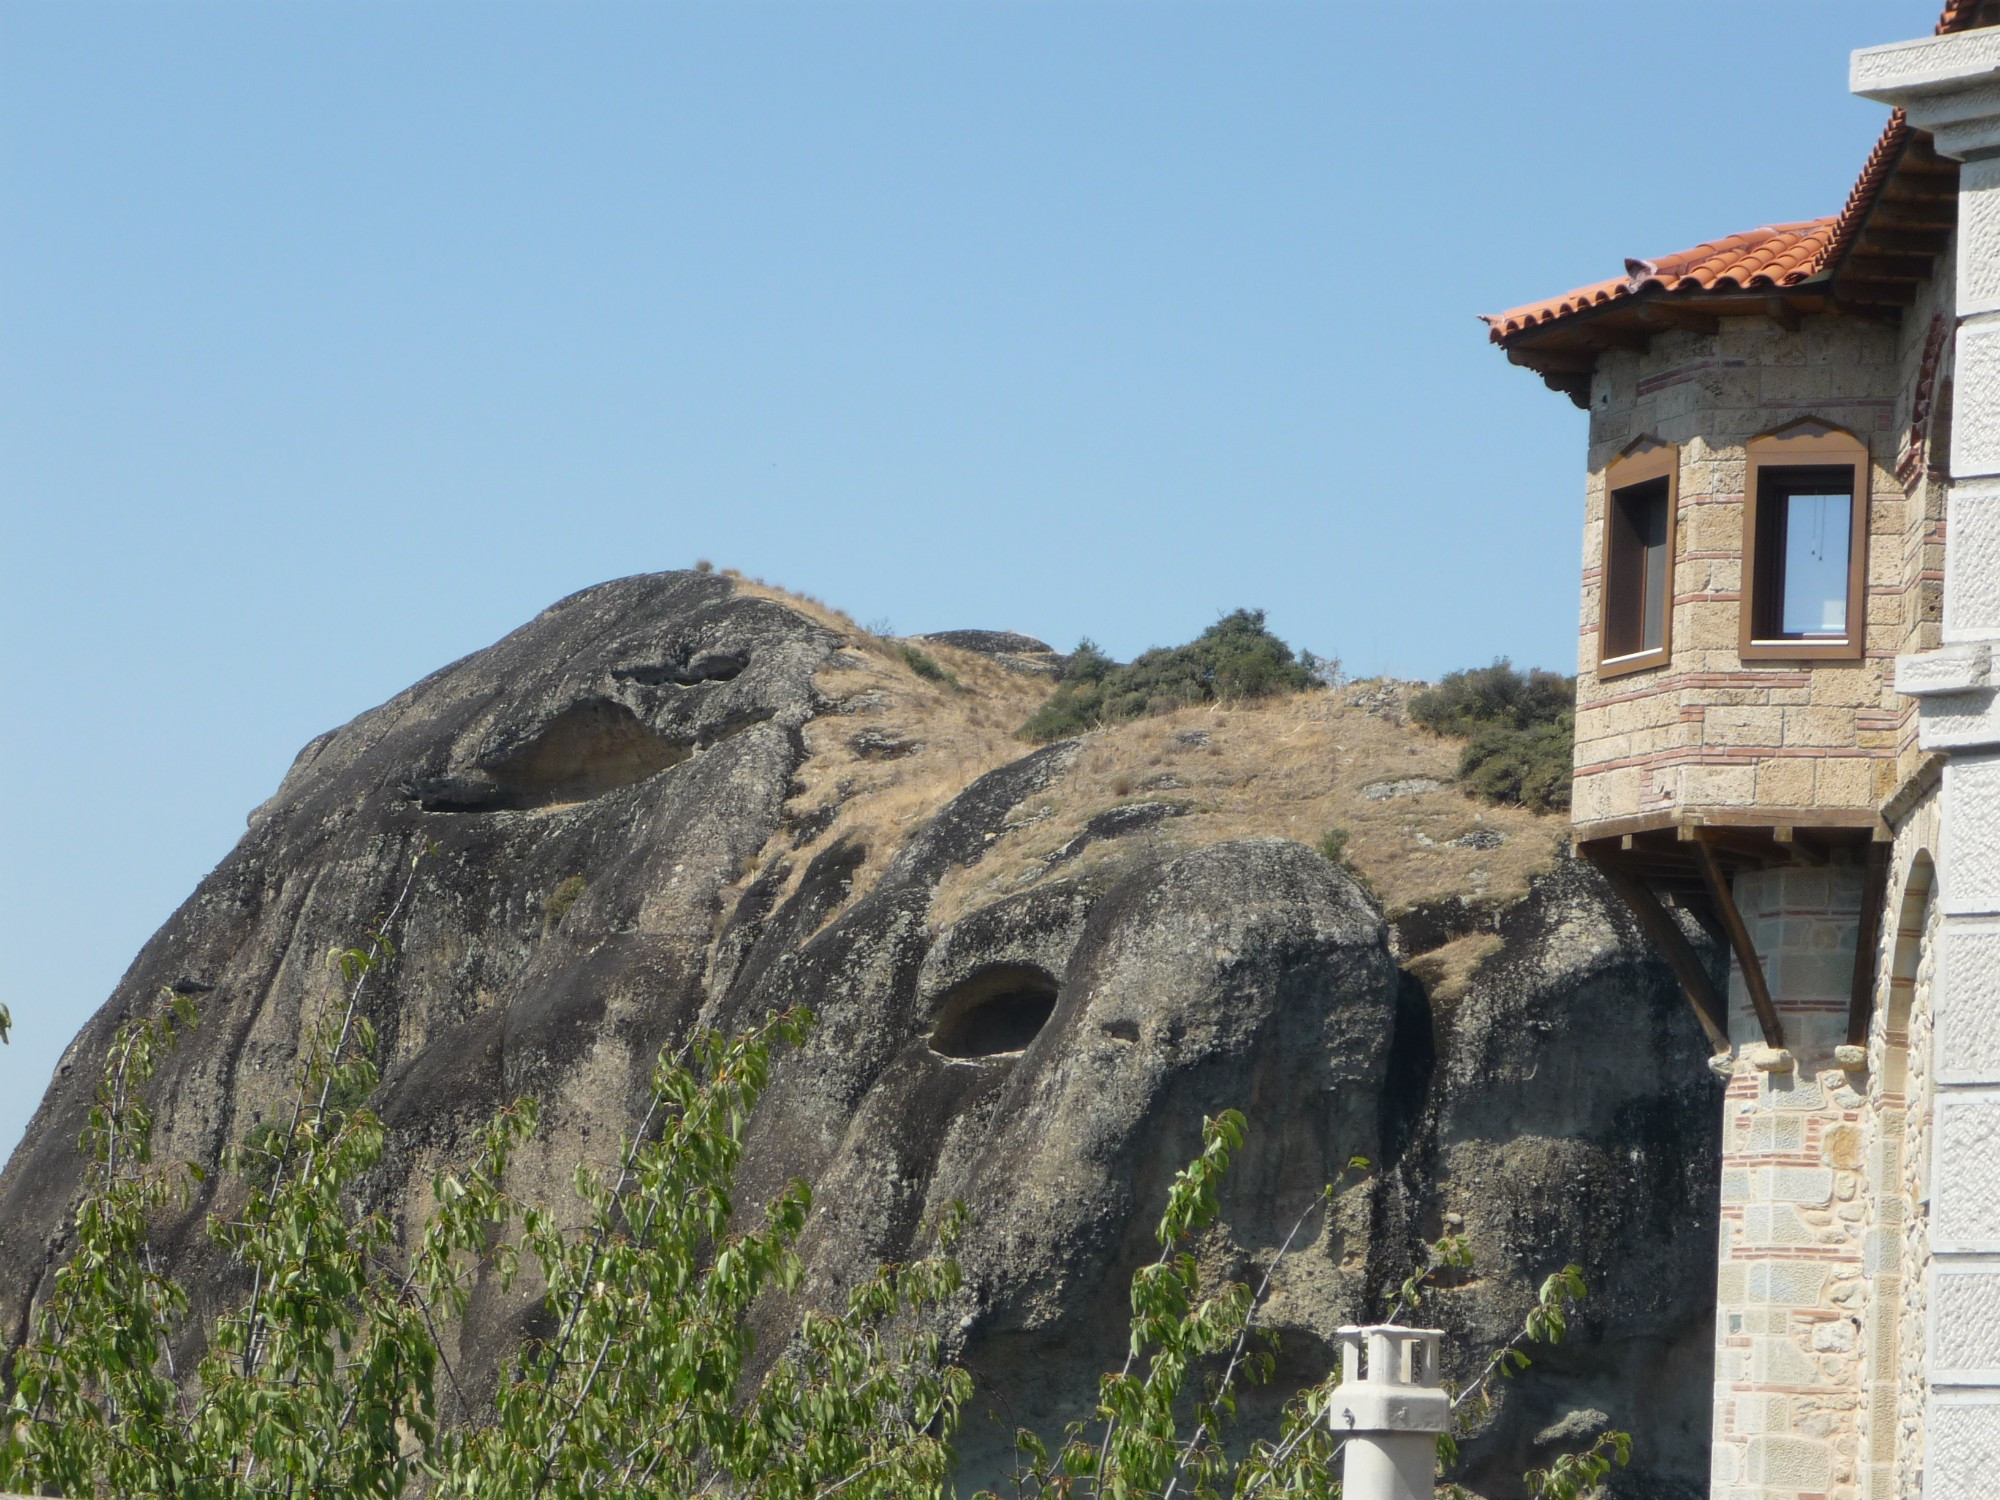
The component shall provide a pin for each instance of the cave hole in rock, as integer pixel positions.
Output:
(588, 749)
(688, 669)
(994, 1013)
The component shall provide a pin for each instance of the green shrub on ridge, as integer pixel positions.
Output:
(1519, 729)
(1234, 660)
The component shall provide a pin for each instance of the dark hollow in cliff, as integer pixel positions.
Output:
(996, 1012)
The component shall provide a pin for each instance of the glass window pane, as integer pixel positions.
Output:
(1654, 539)
(1815, 602)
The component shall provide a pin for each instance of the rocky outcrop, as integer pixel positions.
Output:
(616, 793)
(1020, 653)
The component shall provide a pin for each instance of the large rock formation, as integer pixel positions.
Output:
(680, 799)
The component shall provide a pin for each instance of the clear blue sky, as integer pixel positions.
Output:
(338, 339)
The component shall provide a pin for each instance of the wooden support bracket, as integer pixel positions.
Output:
(1739, 942)
(1874, 890)
(1679, 953)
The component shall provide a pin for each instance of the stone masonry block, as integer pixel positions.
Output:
(1774, 1226)
(1654, 711)
(1966, 1003)
(1752, 1415)
(1707, 627)
(1962, 1444)
(1846, 781)
(1590, 799)
(1780, 1361)
(1953, 720)
(1975, 432)
(1972, 562)
(1887, 1162)
(1979, 218)
(1724, 1465)
(1847, 687)
(1971, 837)
(1724, 575)
(1730, 1283)
(1809, 976)
(1611, 747)
(1965, 1202)
(1717, 786)
(1789, 1091)
(1842, 1148)
(1881, 1251)
(1711, 528)
(1965, 1325)
(1758, 893)
(1791, 1463)
(1808, 1186)
(1811, 890)
(1744, 726)
(1833, 1338)
(1775, 1133)
(1786, 783)
(1785, 1283)
(1883, 1431)
(1819, 728)
(1885, 1353)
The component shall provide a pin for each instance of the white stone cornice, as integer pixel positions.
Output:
(1955, 669)
(1949, 86)
(1901, 70)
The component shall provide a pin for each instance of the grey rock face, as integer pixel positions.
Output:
(1016, 652)
(1047, 1058)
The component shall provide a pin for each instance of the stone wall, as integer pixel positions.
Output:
(1704, 731)
(1790, 1285)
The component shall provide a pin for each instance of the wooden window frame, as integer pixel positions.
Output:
(1809, 444)
(1645, 461)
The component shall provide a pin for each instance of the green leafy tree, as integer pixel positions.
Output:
(1156, 1434)
(325, 1380)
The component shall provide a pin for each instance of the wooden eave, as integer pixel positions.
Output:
(1689, 861)
(1906, 227)
(1564, 352)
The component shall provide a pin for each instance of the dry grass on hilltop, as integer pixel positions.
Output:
(1298, 767)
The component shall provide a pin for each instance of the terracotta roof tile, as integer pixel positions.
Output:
(1777, 255)
(1874, 173)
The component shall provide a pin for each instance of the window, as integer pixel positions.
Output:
(1638, 570)
(1805, 536)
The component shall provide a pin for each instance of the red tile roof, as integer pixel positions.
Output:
(1868, 186)
(1777, 255)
